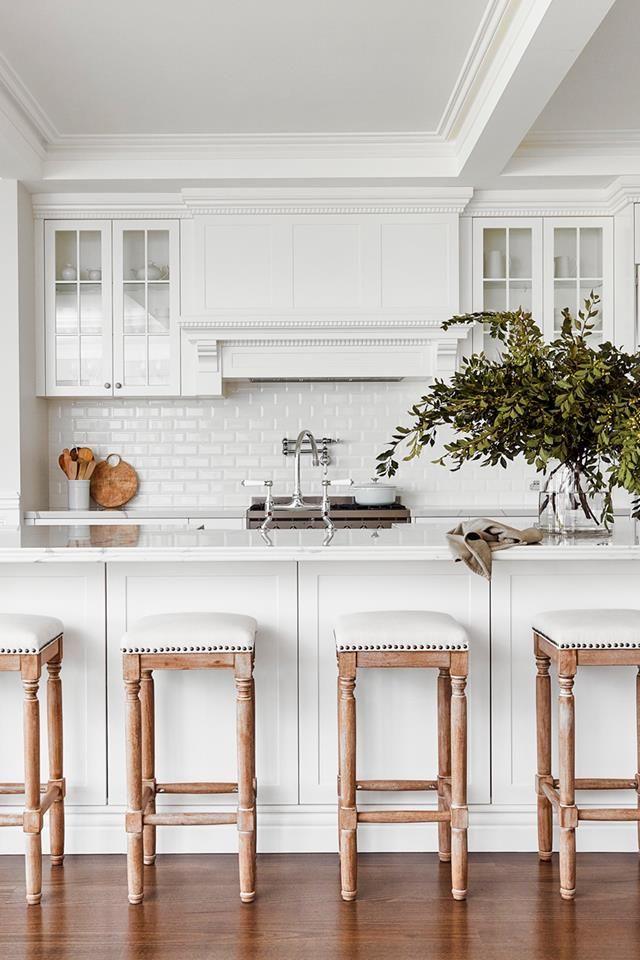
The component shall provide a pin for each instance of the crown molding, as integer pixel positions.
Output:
(227, 327)
(555, 203)
(27, 114)
(252, 202)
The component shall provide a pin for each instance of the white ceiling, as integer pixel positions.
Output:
(239, 66)
(601, 91)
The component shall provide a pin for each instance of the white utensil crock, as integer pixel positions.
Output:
(78, 494)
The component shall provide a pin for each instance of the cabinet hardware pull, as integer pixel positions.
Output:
(118, 386)
(107, 386)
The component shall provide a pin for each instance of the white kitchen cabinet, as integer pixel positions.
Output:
(146, 339)
(605, 696)
(396, 708)
(73, 592)
(543, 264)
(196, 709)
(110, 325)
(77, 308)
(578, 259)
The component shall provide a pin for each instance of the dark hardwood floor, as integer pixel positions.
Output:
(404, 911)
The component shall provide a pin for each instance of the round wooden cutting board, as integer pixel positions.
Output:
(114, 482)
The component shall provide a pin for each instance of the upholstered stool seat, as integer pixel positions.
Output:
(590, 629)
(186, 641)
(27, 643)
(27, 632)
(191, 633)
(572, 639)
(405, 638)
(400, 630)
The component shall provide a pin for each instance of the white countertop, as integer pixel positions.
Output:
(406, 542)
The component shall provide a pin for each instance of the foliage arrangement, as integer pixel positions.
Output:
(564, 403)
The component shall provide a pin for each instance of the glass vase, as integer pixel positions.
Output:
(566, 507)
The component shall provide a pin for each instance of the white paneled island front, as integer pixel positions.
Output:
(98, 580)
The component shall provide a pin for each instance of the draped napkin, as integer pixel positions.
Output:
(475, 541)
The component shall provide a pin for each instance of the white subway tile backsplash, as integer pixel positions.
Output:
(196, 453)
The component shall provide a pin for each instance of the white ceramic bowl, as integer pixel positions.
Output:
(375, 494)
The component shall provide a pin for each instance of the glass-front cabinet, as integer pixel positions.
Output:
(111, 322)
(145, 310)
(78, 313)
(543, 264)
(507, 267)
(578, 261)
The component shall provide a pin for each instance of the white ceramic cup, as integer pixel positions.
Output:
(78, 492)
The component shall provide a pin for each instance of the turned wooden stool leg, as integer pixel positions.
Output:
(54, 716)
(568, 813)
(32, 818)
(348, 817)
(444, 761)
(245, 707)
(459, 811)
(638, 745)
(147, 705)
(543, 737)
(135, 853)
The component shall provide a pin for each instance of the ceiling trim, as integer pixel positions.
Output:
(555, 203)
(252, 202)
(29, 117)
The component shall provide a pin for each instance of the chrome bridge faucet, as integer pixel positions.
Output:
(297, 501)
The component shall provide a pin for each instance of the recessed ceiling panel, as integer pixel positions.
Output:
(246, 66)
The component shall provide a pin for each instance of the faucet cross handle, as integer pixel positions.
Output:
(268, 503)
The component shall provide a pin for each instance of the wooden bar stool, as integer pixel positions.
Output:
(415, 638)
(186, 641)
(26, 643)
(574, 638)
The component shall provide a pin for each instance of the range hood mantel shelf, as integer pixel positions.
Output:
(254, 349)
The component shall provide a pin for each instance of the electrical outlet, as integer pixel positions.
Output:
(534, 485)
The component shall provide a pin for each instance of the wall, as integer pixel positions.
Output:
(195, 453)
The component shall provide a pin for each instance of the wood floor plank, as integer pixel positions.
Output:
(404, 910)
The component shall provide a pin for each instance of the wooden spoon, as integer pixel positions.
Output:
(73, 470)
(66, 458)
(88, 471)
(61, 462)
(85, 454)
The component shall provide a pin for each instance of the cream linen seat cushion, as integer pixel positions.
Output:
(191, 633)
(391, 630)
(589, 629)
(27, 632)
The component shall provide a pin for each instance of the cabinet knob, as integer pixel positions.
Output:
(107, 386)
(118, 386)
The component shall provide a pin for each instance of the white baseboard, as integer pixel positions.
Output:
(95, 830)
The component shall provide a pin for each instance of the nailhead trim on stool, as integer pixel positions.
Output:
(585, 629)
(210, 632)
(27, 633)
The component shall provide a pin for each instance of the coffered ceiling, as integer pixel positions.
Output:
(366, 91)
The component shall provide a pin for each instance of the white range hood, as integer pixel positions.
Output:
(324, 285)
(323, 350)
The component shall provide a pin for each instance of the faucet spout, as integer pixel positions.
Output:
(297, 501)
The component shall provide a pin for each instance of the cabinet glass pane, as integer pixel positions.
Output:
(519, 295)
(135, 361)
(495, 295)
(66, 308)
(565, 252)
(90, 243)
(520, 253)
(159, 308)
(495, 253)
(565, 295)
(133, 308)
(133, 247)
(159, 359)
(90, 361)
(66, 255)
(90, 308)
(158, 255)
(67, 361)
(591, 252)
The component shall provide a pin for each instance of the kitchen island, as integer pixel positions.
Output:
(97, 580)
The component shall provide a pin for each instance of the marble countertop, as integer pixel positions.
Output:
(420, 542)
